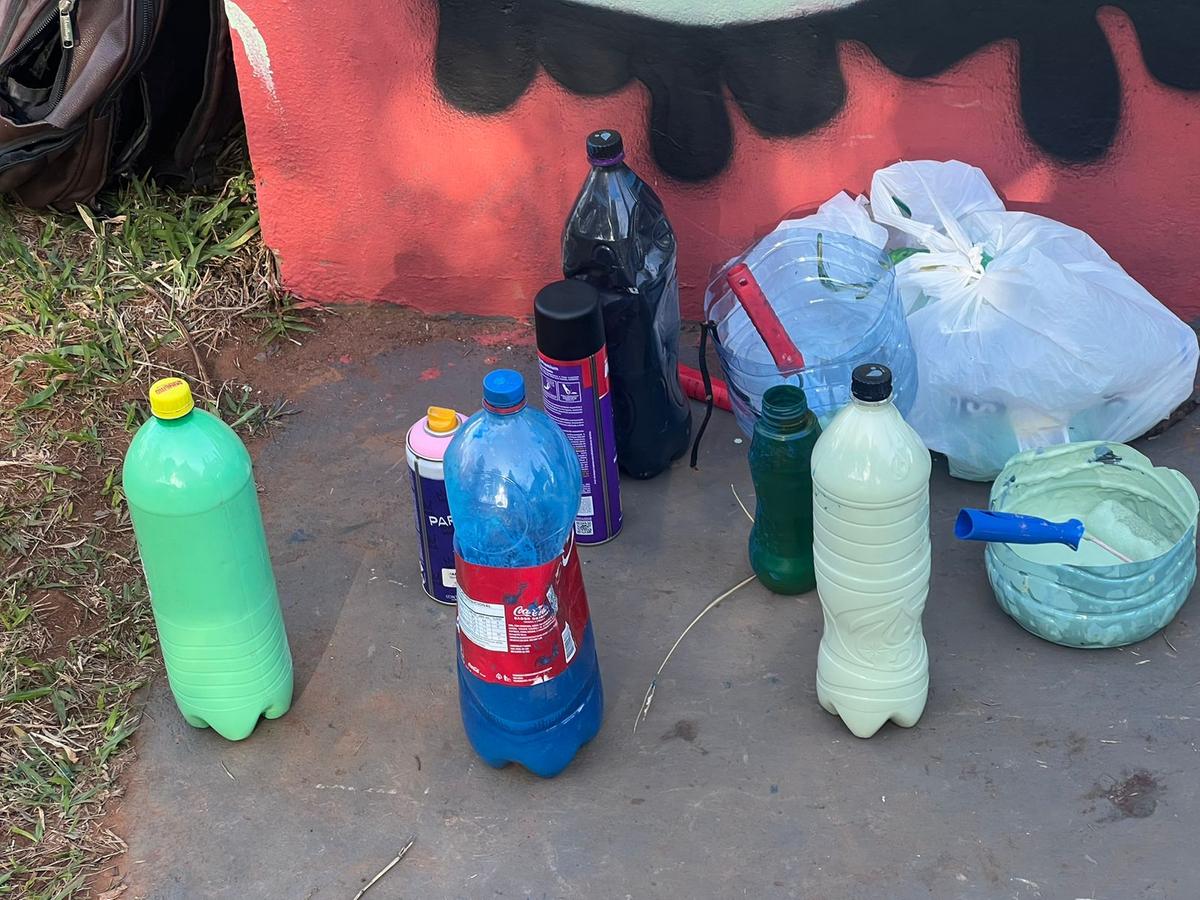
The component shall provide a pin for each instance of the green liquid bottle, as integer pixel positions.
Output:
(781, 541)
(195, 512)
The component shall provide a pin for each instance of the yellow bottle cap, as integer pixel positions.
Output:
(442, 420)
(170, 398)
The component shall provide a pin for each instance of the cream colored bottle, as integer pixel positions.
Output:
(871, 549)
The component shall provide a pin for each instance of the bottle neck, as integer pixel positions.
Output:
(176, 422)
(614, 172)
(785, 410)
(505, 410)
(872, 405)
(789, 424)
(617, 161)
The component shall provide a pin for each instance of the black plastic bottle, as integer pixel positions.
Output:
(618, 239)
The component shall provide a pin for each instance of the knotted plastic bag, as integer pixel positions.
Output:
(1026, 332)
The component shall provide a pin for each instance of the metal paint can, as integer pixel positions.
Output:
(576, 394)
(425, 446)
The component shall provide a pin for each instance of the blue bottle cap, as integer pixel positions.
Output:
(503, 390)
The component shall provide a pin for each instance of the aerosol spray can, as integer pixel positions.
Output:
(576, 395)
(426, 445)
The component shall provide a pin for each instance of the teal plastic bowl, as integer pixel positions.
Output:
(1093, 603)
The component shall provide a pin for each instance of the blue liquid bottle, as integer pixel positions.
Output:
(529, 683)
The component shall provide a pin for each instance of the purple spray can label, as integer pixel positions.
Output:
(576, 394)
(426, 445)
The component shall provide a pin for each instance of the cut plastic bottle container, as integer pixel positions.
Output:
(1086, 598)
(192, 499)
(839, 304)
(514, 483)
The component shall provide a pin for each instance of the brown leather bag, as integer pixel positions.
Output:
(82, 83)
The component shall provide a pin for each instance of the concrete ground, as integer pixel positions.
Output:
(1037, 771)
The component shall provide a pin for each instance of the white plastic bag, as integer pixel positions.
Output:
(840, 214)
(1027, 334)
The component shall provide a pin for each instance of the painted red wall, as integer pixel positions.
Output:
(373, 187)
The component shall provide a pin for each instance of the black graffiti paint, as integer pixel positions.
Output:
(785, 74)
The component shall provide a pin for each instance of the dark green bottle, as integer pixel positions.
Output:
(781, 541)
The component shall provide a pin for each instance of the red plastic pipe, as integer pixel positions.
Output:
(693, 385)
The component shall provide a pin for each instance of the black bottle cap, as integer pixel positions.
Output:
(568, 320)
(605, 147)
(871, 382)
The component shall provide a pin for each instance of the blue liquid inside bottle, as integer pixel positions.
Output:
(513, 483)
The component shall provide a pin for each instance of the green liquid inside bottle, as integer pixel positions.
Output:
(781, 541)
(194, 507)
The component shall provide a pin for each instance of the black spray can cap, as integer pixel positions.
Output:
(871, 382)
(568, 320)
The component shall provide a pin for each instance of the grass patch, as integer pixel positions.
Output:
(93, 307)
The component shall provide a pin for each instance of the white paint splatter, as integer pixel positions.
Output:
(253, 46)
(352, 788)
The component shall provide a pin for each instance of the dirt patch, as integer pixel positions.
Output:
(1135, 796)
(351, 334)
(685, 729)
(348, 335)
(62, 618)
(1076, 744)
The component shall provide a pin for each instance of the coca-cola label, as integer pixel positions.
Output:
(521, 626)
